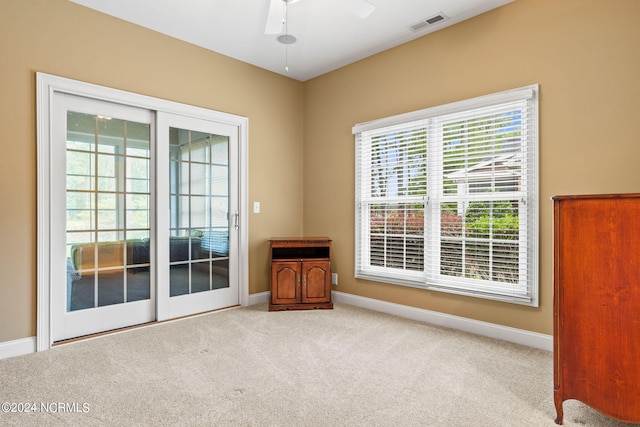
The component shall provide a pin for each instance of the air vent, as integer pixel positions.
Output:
(428, 22)
(435, 19)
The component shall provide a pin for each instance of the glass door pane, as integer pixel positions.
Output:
(108, 211)
(199, 211)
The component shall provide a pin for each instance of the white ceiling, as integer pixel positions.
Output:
(329, 34)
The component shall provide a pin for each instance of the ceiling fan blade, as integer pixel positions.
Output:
(274, 18)
(361, 8)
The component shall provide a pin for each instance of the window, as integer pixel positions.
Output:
(447, 198)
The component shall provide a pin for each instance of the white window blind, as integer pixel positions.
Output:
(447, 198)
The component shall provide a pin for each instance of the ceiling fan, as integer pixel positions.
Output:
(276, 14)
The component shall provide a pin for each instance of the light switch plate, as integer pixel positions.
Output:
(256, 207)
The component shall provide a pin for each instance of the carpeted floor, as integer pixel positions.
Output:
(250, 367)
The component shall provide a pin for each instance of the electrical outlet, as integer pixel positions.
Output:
(334, 278)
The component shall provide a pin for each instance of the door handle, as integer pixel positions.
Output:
(237, 220)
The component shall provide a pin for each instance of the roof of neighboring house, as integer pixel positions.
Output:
(508, 164)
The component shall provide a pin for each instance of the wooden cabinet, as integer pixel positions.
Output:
(300, 273)
(597, 304)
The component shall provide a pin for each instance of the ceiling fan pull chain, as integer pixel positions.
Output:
(286, 33)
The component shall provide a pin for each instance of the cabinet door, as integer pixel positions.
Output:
(285, 282)
(316, 281)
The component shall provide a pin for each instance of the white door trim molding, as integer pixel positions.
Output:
(46, 86)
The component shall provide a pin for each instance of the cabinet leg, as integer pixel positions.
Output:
(559, 412)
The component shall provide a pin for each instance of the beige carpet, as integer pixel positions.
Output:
(249, 367)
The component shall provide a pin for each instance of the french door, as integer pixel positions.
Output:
(198, 188)
(144, 216)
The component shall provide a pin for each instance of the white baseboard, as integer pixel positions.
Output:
(505, 333)
(17, 347)
(259, 298)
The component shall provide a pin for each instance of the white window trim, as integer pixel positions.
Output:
(46, 86)
(468, 104)
(438, 282)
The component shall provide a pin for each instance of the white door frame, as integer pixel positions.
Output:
(46, 86)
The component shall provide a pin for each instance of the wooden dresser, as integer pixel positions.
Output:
(597, 303)
(300, 273)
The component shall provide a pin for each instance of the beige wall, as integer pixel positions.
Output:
(61, 38)
(585, 54)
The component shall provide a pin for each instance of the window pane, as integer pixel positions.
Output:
(80, 182)
(109, 236)
(451, 257)
(110, 287)
(110, 254)
(199, 212)
(107, 219)
(220, 273)
(220, 212)
(79, 200)
(175, 176)
(82, 291)
(110, 176)
(138, 210)
(397, 236)
(220, 150)
(476, 261)
(138, 137)
(506, 262)
(107, 201)
(80, 131)
(138, 250)
(219, 180)
(200, 280)
(138, 284)
(181, 216)
(138, 168)
(179, 247)
(137, 185)
(200, 179)
(80, 168)
(450, 220)
(74, 241)
(110, 135)
(200, 249)
(199, 147)
(80, 219)
(81, 253)
(178, 280)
